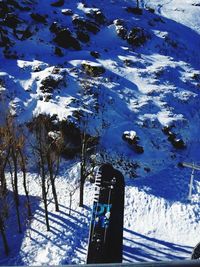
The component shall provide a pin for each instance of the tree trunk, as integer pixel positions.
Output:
(81, 194)
(137, 3)
(15, 177)
(54, 193)
(23, 168)
(46, 208)
(44, 197)
(3, 234)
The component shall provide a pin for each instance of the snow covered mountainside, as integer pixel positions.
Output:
(136, 77)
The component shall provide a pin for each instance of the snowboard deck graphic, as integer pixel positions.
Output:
(106, 229)
(196, 252)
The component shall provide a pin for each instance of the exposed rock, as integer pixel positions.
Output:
(4, 9)
(119, 22)
(11, 20)
(67, 12)
(171, 41)
(55, 27)
(196, 77)
(58, 3)
(132, 139)
(137, 36)
(95, 54)
(58, 52)
(97, 15)
(66, 40)
(22, 32)
(134, 10)
(177, 143)
(4, 40)
(50, 83)
(82, 24)
(121, 32)
(151, 10)
(10, 54)
(39, 18)
(93, 69)
(83, 36)
(120, 28)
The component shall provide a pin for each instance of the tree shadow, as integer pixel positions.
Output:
(15, 238)
(68, 234)
(142, 248)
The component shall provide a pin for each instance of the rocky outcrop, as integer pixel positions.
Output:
(58, 3)
(65, 39)
(120, 28)
(132, 139)
(38, 18)
(177, 143)
(85, 25)
(50, 83)
(93, 69)
(137, 36)
(97, 15)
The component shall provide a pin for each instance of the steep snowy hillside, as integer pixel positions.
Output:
(136, 77)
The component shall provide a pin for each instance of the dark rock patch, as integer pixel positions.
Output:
(134, 10)
(95, 54)
(58, 52)
(58, 3)
(177, 143)
(66, 40)
(50, 83)
(132, 139)
(55, 27)
(93, 70)
(97, 16)
(67, 12)
(39, 18)
(11, 20)
(83, 24)
(83, 36)
(137, 36)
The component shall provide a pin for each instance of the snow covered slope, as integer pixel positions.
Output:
(128, 73)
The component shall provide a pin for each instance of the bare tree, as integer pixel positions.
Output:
(2, 227)
(53, 156)
(87, 163)
(4, 154)
(39, 148)
(23, 166)
(47, 149)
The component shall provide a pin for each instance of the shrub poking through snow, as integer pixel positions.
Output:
(120, 28)
(50, 83)
(132, 139)
(93, 69)
(137, 36)
(177, 143)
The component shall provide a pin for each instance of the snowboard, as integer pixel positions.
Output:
(196, 252)
(106, 228)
